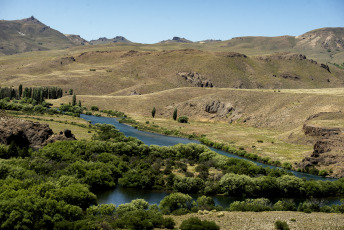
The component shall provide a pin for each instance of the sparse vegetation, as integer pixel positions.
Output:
(183, 119)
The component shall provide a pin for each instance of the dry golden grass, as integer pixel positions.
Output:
(266, 220)
(276, 118)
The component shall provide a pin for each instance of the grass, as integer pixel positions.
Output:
(61, 122)
(266, 220)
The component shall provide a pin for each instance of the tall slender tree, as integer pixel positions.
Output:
(20, 90)
(175, 114)
(153, 112)
(74, 100)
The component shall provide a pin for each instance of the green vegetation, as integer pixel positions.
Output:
(175, 114)
(194, 223)
(281, 225)
(153, 112)
(52, 187)
(183, 119)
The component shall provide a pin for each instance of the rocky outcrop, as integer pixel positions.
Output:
(328, 148)
(28, 134)
(66, 135)
(67, 60)
(325, 67)
(321, 131)
(231, 55)
(196, 79)
(290, 76)
(220, 108)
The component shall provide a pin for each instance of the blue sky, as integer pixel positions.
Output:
(150, 21)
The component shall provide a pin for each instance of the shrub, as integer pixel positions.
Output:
(194, 223)
(94, 108)
(281, 225)
(175, 112)
(323, 173)
(168, 223)
(251, 205)
(183, 119)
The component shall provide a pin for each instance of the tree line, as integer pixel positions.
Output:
(36, 93)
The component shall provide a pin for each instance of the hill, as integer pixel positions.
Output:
(76, 39)
(111, 40)
(30, 35)
(176, 40)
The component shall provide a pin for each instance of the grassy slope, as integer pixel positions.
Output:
(120, 72)
(266, 220)
(275, 117)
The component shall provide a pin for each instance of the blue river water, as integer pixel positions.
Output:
(121, 195)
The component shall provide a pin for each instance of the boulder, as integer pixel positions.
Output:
(27, 133)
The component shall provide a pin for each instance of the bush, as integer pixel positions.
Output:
(281, 225)
(251, 205)
(183, 119)
(194, 223)
(94, 108)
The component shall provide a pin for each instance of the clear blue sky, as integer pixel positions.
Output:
(150, 21)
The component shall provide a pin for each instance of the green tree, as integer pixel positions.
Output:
(74, 100)
(20, 90)
(175, 114)
(153, 112)
(175, 201)
(79, 103)
(70, 91)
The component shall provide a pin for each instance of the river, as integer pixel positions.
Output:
(121, 195)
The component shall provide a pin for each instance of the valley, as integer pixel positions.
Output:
(278, 100)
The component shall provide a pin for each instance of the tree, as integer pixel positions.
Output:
(175, 201)
(153, 112)
(20, 90)
(70, 91)
(74, 100)
(175, 113)
(79, 103)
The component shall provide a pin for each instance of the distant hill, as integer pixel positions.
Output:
(176, 40)
(30, 35)
(111, 40)
(76, 39)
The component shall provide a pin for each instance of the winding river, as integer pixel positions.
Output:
(121, 195)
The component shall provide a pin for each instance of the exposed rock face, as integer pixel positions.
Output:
(321, 131)
(62, 136)
(27, 133)
(325, 67)
(328, 149)
(196, 79)
(67, 60)
(221, 109)
(231, 54)
(290, 76)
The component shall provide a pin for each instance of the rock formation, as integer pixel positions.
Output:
(28, 133)
(196, 79)
(220, 108)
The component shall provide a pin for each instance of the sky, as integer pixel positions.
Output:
(151, 21)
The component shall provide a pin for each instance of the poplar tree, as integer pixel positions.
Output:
(175, 114)
(153, 112)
